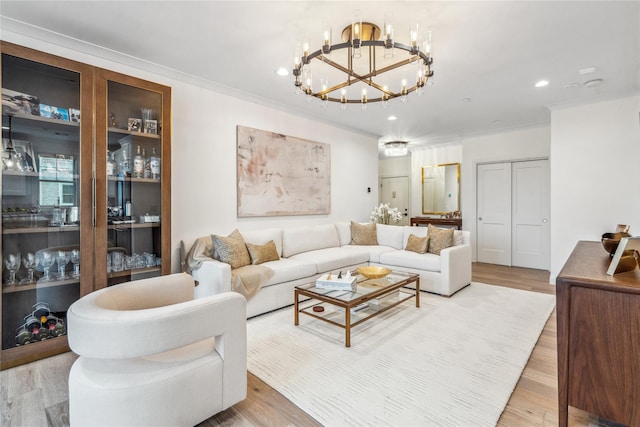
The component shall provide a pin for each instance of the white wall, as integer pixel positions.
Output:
(595, 150)
(523, 144)
(204, 124)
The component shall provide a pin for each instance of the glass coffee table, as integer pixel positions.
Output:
(347, 309)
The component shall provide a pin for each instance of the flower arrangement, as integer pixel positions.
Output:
(384, 214)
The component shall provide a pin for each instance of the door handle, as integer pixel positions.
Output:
(480, 219)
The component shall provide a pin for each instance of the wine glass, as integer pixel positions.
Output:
(46, 260)
(12, 263)
(62, 258)
(75, 260)
(29, 262)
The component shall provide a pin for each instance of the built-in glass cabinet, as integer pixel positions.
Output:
(85, 191)
(133, 170)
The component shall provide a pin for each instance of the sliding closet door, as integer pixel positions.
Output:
(494, 213)
(530, 214)
(513, 214)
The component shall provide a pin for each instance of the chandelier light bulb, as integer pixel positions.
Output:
(305, 48)
(413, 34)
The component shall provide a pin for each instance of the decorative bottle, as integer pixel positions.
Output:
(111, 164)
(154, 163)
(125, 166)
(147, 164)
(138, 164)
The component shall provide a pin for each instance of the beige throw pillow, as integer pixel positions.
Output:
(231, 249)
(417, 244)
(439, 238)
(363, 234)
(263, 253)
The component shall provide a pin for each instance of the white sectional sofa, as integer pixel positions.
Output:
(307, 252)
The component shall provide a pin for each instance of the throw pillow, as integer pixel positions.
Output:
(263, 253)
(231, 249)
(363, 234)
(439, 238)
(417, 244)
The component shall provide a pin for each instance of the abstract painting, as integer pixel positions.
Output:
(282, 175)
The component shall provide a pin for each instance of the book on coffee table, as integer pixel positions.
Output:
(343, 283)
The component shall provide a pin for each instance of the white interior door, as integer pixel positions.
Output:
(530, 214)
(494, 213)
(395, 191)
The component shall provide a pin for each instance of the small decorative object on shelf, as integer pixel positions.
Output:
(135, 125)
(384, 214)
(343, 283)
(452, 215)
(112, 120)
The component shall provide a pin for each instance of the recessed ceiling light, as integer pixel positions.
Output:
(466, 99)
(593, 83)
(587, 70)
(497, 122)
(282, 71)
(391, 118)
(571, 85)
(542, 83)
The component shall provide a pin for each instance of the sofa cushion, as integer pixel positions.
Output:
(262, 236)
(263, 253)
(439, 239)
(287, 270)
(408, 259)
(331, 259)
(231, 249)
(363, 234)
(416, 231)
(373, 250)
(389, 235)
(344, 232)
(417, 244)
(458, 238)
(303, 239)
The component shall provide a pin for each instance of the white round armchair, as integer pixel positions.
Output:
(151, 354)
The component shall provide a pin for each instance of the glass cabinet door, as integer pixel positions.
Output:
(47, 244)
(133, 197)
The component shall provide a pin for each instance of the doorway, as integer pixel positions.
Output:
(513, 213)
(395, 191)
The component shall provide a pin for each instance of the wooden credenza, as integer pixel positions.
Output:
(598, 320)
(447, 222)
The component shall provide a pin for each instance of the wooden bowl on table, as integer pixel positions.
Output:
(610, 241)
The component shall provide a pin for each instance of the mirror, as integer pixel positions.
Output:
(441, 188)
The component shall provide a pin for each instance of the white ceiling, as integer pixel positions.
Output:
(489, 52)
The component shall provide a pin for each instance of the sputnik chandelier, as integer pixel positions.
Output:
(365, 67)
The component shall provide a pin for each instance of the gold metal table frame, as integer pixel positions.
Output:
(367, 290)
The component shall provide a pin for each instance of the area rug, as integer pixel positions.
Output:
(452, 362)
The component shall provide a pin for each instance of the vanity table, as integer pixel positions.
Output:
(441, 222)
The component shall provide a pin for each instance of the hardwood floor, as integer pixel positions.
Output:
(36, 394)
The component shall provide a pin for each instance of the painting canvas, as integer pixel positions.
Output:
(282, 175)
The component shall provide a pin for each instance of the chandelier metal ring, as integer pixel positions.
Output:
(369, 38)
